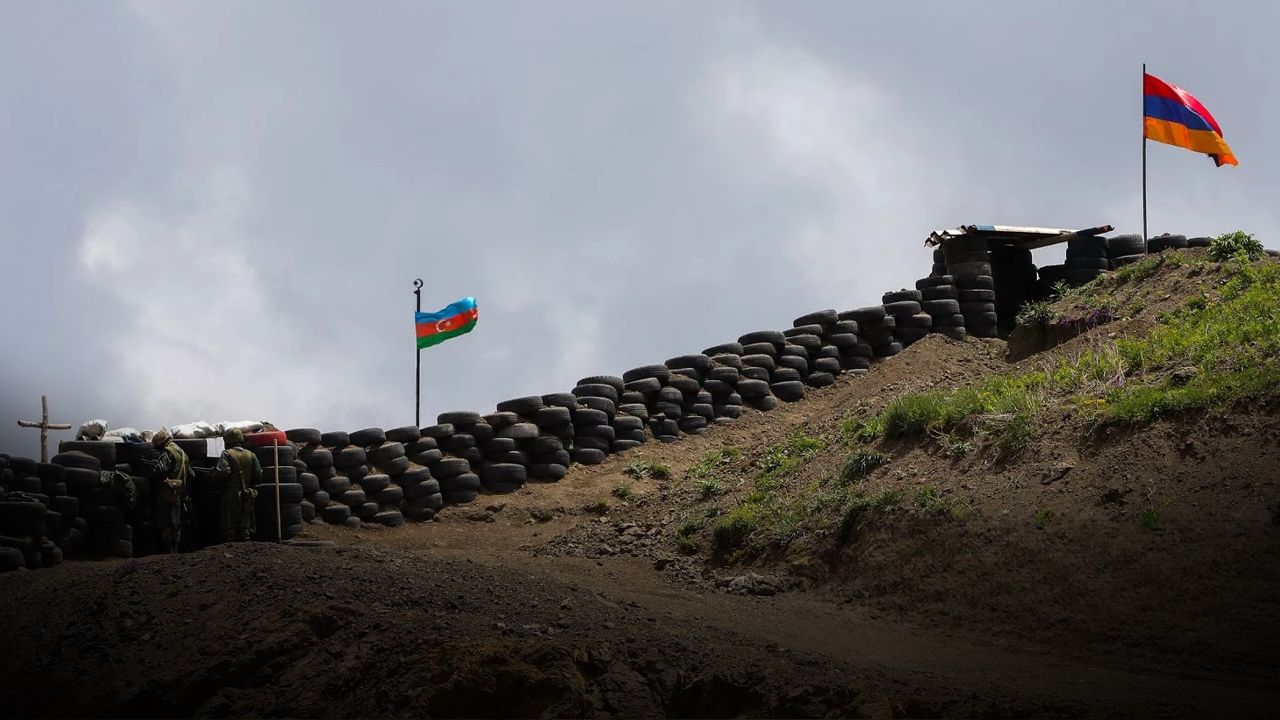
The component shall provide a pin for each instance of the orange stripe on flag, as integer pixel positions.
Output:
(1205, 141)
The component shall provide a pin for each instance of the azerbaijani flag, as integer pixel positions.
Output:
(1172, 115)
(456, 319)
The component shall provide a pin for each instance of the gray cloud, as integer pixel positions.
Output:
(226, 203)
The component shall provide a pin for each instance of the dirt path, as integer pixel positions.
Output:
(814, 622)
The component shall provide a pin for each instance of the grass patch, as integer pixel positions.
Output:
(623, 491)
(860, 431)
(784, 458)
(1043, 518)
(686, 537)
(709, 488)
(542, 515)
(859, 506)
(860, 463)
(734, 529)
(1000, 413)
(929, 500)
(643, 470)
(1140, 270)
(1036, 314)
(1149, 518)
(599, 507)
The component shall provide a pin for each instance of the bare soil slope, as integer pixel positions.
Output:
(1132, 572)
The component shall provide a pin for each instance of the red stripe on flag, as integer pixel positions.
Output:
(448, 324)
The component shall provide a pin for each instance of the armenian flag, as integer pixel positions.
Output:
(1172, 115)
(458, 318)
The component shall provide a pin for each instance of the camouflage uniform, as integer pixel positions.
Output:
(239, 470)
(173, 467)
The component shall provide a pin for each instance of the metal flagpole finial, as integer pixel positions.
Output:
(417, 285)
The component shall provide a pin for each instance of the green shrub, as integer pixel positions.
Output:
(1140, 270)
(1150, 519)
(712, 461)
(1235, 244)
(1036, 314)
(623, 491)
(859, 506)
(857, 431)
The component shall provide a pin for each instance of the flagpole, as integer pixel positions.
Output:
(417, 371)
(1144, 160)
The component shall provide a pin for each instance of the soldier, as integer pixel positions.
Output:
(238, 470)
(174, 468)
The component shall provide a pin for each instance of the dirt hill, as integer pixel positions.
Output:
(1090, 529)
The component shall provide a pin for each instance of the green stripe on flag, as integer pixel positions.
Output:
(438, 338)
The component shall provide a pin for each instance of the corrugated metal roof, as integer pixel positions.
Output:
(1017, 236)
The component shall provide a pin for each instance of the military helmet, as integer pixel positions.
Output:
(233, 436)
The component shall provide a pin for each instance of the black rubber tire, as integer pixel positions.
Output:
(438, 431)
(596, 390)
(353, 498)
(309, 482)
(586, 417)
(101, 449)
(267, 455)
(336, 485)
(385, 452)
(818, 330)
(1087, 263)
(941, 307)
(1166, 242)
(729, 348)
(11, 559)
(368, 437)
(820, 317)
(450, 467)
(934, 281)
(374, 483)
(335, 513)
(405, 434)
(902, 307)
(503, 477)
(101, 514)
(335, 439)
(520, 432)
(938, 292)
(69, 460)
(889, 350)
(1126, 245)
(1081, 277)
(910, 335)
(896, 296)
(785, 374)
(1199, 242)
(588, 456)
(644, 371)
(459, 441)
(290, 493)
(976, 320)
(788, 391)
(980, 307)
(769, 336)
(1123, 260)
(303, 436)
(985, 296)
(810, 343)
(760, 361)
(350, 456)
(976, 282)
(604, 405)
(870, 314)
(793, 362)
(459, 418)
(1090, 244)
(821, 379)
(466, 482)
(288, 473)
(554, 416)
(357, 473)
(769, 349)
(827, 365)
(941, 321)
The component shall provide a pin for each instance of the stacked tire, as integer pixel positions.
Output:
(911, 322)
(1165, 241)
(877, 330)
(1086, 259)
(853, 352)
(32, 532)
(645, 386)
(939, 263)
(592, 420)
(1016, 283)
(976, 297)
(722, 380)
(278, 466)
(812, 337)
(101, 506)
(940, 300)
(1126, 249)
(758, 375)
(697, 406)
(316, 468)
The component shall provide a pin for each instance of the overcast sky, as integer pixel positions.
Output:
(216, 210)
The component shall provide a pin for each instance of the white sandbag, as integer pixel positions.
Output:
(244, 426)
(126, 434)
(92, 430)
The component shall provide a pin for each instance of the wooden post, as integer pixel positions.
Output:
(45, 426)
(275, 445)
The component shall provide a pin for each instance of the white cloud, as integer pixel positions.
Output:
(834, 145)
(194, 326)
